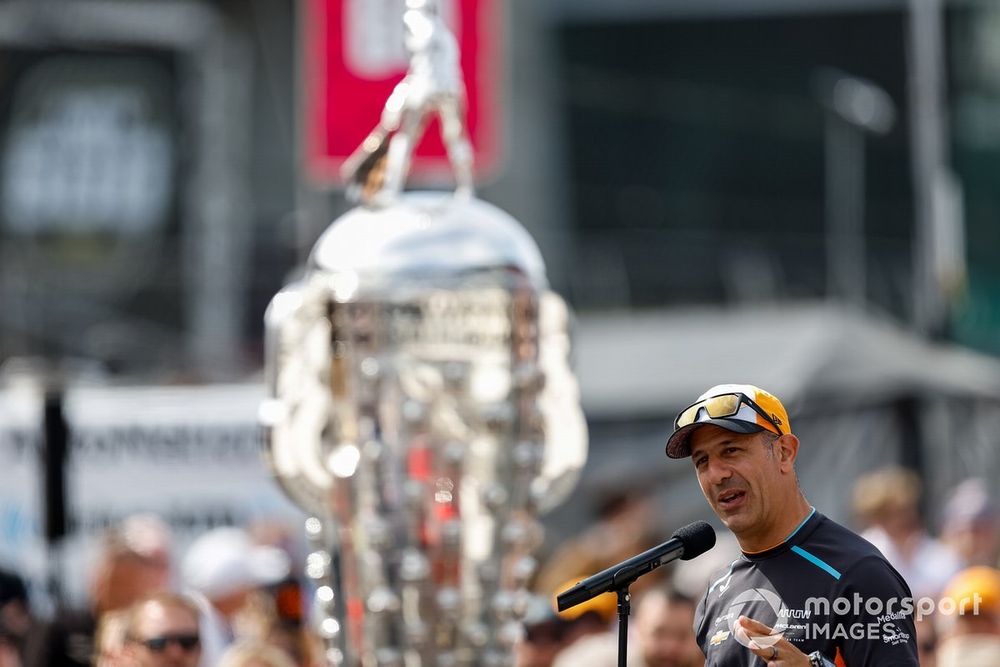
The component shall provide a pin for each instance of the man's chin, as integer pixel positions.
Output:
(735, 521)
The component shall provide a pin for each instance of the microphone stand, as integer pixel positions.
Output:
(688, 542)
(624, 607)
(621, 589)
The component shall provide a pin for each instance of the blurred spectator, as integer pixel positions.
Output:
(224, 568)
(926, 641)
(314, 650)
(662, 636)
(288, 619)
(254, 654)
(15, 617)
(659, 635)
(543, 634)
(587, 626)
(969, 620)
(162, 631)
(888, 500)
(109, 640)
(587, 618)
(283, 602)
(622, 531)
(971, 523)
(548, 634)
(9, 656)
(134, 562)
(597, 650)
(664, 623)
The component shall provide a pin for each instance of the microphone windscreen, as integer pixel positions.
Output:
(697, 538)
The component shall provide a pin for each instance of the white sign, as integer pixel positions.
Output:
(192, 455)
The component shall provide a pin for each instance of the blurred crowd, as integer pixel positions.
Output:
(234, 598)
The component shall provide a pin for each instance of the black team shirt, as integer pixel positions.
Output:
(825, 588)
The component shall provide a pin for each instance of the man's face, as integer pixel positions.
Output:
(666, 634)
(977, 542)
(737, 473)
(127, 577)
(165, 635)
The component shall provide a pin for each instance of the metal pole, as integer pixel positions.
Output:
(845, 210)
(218, 232)
(854, 107)
(313, 207)
(55, 449)
(930, 155)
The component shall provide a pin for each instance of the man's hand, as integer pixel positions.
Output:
(780, 654)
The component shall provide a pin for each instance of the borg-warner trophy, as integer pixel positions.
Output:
(421, 407)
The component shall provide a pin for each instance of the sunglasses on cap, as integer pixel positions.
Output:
(721, 406)
(187, 642)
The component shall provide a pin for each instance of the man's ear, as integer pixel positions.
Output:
(788, 450)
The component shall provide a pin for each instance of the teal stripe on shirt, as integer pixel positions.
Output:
(818, 562)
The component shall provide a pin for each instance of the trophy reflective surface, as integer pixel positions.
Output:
(423, 411)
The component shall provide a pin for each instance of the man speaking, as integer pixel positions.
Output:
(805, 591)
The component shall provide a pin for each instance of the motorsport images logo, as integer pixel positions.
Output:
(747, 598)
(823, 618)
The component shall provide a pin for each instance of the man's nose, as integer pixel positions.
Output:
(718, 472)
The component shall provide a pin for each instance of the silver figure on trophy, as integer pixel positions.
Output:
(421, 407)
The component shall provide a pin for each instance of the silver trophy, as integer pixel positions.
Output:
(421, 407)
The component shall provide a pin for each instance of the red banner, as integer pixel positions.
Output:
(355, 57)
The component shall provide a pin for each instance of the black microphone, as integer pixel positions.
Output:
(686, 543)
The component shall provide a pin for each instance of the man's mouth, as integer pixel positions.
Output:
(730, 499)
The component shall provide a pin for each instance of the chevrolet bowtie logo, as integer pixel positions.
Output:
(719, 637)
